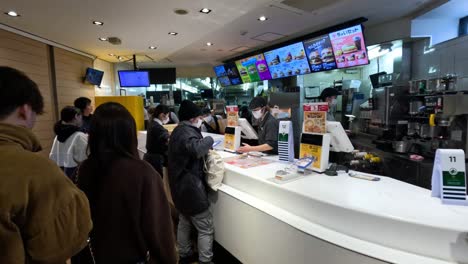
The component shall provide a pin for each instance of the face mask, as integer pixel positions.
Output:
(198, 124)
(257, 114)
(333, 103)
(165, 121)
(208, 119)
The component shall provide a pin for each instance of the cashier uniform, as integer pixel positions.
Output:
(268, 132)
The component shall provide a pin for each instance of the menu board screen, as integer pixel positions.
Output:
(320, 54)
(222, 75)
(349, 47)
(287, 61)
(233, 73)
(253, 69)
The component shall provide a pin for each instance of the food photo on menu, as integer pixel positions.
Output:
(222, 75)
(287, 61)
(253, 69)
(349, 47)
(320, 54)
(233, 74)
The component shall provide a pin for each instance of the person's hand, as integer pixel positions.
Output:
(245, 148)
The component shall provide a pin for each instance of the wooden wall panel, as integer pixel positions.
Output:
(70, 70)
(31, 57)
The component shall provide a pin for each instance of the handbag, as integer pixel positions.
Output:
(214, 170)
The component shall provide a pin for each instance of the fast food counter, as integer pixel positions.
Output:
(334, 220)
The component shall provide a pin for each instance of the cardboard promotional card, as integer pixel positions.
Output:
(232, 115)
(315, 118)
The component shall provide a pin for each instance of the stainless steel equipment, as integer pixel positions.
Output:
(389, 104)
(402, 146)
(414, 107)
(417, 85)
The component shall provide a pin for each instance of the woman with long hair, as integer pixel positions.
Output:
(129, 209)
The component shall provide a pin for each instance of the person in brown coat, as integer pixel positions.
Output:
(44, 218)
(129, 208)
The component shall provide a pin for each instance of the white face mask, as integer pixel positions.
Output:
(198, 124)
(165, 121)
(257, 114)
(333, 103)
(208, 119)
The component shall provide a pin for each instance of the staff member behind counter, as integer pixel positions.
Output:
(329, 95)
(267, 128)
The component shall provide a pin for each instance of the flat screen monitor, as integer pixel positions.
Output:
(287, 61)
(320, 54)
(134, 79)
(248, 132)
(233, 73)
(253, 69)
(94, 76)
(339, 139)
(222, 75)
(206, 93)
(162, 75)
(349, 47)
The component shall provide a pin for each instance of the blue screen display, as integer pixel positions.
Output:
(94, 76)
(134, 79)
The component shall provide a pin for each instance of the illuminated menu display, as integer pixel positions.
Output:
(221, 74)
(253, 69)
(227, 74)
(349, 47)
(320, 54)
(287, 61)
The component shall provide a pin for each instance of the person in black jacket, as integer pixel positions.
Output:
(157, 139)
(187, 150)
(84, 104)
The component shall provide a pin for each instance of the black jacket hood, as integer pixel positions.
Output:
(64, 131)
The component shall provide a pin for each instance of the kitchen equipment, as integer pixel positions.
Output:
(413, 128)
(390, 104)
(386, 79)
(435, 85)
(450, 81)
(426, 131)
(414, 107)
(418, 85)
(401, 146)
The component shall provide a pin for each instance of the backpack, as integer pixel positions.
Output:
(214, 170)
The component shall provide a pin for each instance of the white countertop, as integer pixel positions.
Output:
(389, 213)
(388, 219)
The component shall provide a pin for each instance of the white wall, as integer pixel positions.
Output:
(439, 29)
(450, 57)
(108, 82)
(386, 32)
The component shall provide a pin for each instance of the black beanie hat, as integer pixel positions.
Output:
(188, 110)
(257, 102)
(328, 92)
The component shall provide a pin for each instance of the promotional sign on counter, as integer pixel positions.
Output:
(286, 141)
(287, 61)
(449, 177)
(320, 54)
(316, 147)
(232, 138)
(232, 115)
(315, 118)
(349, 47)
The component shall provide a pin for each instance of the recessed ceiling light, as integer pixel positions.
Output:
(181, 12)
(152, 47)
(205, 11)
(98, 23)
(103, 39)
(120, 58)
(209, 44)
(111, 54)
(263, 18)
(12, 14)
(173, 33)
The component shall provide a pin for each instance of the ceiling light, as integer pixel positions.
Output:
(120, 58)
(98, 23)
(12, 14)
(209, 44)
(103, 39)
(205, 11)
(263, 18)
(152, 47)
(111, 54)
(173, 33)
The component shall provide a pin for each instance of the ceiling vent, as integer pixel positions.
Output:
(269, 36)
(114, 40)
(309, 7)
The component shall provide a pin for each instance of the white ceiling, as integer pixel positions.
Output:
(455, 9)
(143, 23)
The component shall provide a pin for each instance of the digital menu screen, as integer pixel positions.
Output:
(349, 47)
(320, 54)
(287, 61)
(233, 73)
(222, 75)
(253, 69)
